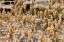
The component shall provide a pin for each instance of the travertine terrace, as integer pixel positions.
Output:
(31, 20)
